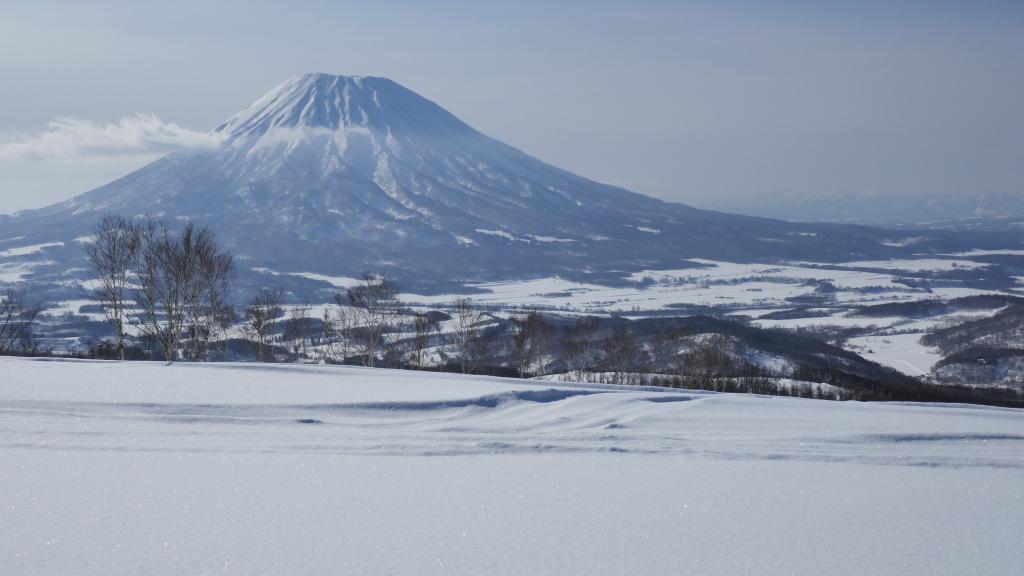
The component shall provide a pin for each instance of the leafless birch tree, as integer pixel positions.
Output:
(578, 348)
(181, 285)
(376, 308)
(297, 331)
(159, 312)
(530, 334)
(622, 357)
(424, 326)
(468, 340)
(261, 316)
(207, 272)
(16, 319)
(112, 256)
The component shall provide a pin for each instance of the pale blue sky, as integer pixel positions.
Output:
(684, 101)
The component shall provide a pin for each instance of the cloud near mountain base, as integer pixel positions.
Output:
(74, 139)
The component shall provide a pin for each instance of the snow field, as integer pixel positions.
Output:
(111, 468)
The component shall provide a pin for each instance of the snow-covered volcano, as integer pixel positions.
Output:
(334, 175)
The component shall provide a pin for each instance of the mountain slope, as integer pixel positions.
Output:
(334, 175)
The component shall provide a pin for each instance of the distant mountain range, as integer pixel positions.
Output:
(931, 211)
(332, 175)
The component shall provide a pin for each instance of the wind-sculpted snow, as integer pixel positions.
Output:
(111, 468)
(232, 408)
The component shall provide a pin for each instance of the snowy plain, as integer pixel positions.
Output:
(725, 284)
(110, 468)
(903, 352)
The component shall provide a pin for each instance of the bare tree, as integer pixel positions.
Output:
(394, 346)
(328, 338)
(160, 311)
(468, 340)
(578, 347)
(424, 326)
(16, 319)
(665, 346)
(622, 357)
(261, 316)
(520, 342)
(337, 336)
(530, 332)
(297, 330)
(543, 336)
(207, 271)
(376, 308)
(706, 363)
(224, 318)
(112, 256)
(180, 287)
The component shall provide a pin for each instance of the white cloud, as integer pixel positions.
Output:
(77, 139)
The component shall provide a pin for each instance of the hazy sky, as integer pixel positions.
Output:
(685, 101)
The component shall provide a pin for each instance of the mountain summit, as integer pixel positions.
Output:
(341, 104)
(334, 174)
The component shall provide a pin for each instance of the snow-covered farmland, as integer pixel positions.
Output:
(756, 290)
(1007, 252)
(848, 319)
(724, 284)
(15, 272)
(75, 307)
(26, 250)
(915, 264)
(245, 469)
(904, 352)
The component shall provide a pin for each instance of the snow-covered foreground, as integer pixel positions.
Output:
(112, 468)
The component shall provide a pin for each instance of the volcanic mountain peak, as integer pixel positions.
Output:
(329, 103)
